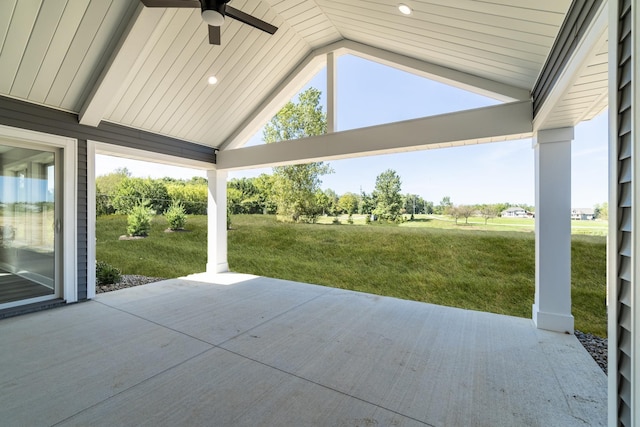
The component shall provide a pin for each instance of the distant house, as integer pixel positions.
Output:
(515, 212)
(583, 214)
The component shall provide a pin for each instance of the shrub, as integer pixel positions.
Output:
(139, 220)
(106, 274)
(192, 196)
(336, 221)
(132, 191)
(176, 216)
(350, 219)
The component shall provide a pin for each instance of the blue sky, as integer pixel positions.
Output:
(370, 94)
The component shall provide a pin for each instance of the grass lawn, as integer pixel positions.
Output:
(590, 228)
(159, 255)
(482, 270)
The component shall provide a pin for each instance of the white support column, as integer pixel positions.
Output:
(332, 96)
(552, 307)
(217, 223)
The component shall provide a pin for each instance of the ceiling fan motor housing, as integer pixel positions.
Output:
(213, 11)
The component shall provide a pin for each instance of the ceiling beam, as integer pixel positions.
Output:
(134, 46)
(489, 124)
(314, 62)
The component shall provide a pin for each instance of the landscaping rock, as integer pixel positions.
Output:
(128, 281)
(596, 346)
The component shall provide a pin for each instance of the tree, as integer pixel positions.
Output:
(245, 195)
(453, 211)
(428, 207)
(366, 204)
(465, 212)
(294, 187)
(198, 180)
(136, 191)
(323, 202)
(191, 194)
(601, 211)
(501, 207)
(413, 204)
(348, 203)
(331, 207)
(444, 206)
(488, 212)
(387, 194)
(106, 189)
(234, 200)
(264, 186)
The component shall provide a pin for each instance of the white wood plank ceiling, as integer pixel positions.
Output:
(53, 53)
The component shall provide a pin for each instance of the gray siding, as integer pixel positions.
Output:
(575, 25)
(624, 281)
(25, 115)
(82, 201)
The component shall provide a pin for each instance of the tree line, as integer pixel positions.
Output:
(119, 193)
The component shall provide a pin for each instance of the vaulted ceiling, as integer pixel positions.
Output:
(117, 61)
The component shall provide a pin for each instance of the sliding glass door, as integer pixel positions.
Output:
(29, 223)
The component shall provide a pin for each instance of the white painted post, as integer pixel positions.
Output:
(217, 223)
(332, 96)
(552, 307)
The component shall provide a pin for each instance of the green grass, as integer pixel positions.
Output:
(590, 228)
(482, 270)
(159, 255)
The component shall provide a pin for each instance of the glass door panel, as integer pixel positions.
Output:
(27, 224)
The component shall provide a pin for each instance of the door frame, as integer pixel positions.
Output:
(67, 288)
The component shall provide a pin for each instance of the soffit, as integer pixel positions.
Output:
(53, 52)
(580, 90)
(587, 96)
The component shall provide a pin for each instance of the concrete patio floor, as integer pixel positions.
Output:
(244, 350)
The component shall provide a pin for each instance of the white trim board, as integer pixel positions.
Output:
(148, 156)
(69, 278)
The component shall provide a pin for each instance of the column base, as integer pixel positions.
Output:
(552, 321)
(217, 268)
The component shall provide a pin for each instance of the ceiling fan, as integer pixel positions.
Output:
(213, 13)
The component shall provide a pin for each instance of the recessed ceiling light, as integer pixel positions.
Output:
(212, 80)
(404, 9)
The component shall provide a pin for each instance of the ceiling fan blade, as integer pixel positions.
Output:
(171, 3)
(250, 20)
(214, 35)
